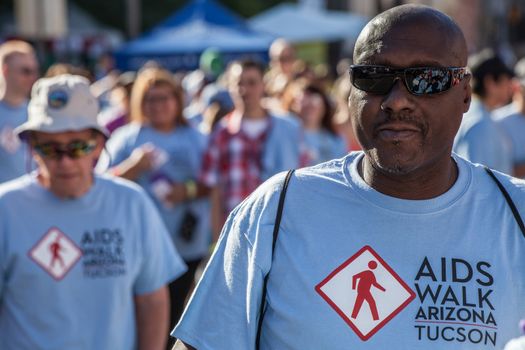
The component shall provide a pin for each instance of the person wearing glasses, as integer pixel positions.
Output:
(85, 259)
(162, 153)
(19, 70)
(436, 230)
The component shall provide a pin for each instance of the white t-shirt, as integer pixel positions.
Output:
(254, 127)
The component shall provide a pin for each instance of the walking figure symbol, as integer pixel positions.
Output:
(364, 281)
(55, 249)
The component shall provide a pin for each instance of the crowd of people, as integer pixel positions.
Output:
(114, 193)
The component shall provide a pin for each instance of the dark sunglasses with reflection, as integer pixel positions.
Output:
(74, 150)
(419, 81)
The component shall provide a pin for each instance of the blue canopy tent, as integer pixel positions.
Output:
(178, 42)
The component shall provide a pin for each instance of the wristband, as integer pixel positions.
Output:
(191, 189)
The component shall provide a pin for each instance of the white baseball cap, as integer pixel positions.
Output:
(61, 103)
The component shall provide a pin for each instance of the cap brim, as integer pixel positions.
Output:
(25, 129)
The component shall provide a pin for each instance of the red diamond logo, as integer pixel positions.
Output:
(55, 253)
(366, 292)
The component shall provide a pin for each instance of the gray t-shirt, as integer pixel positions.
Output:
(13, 153)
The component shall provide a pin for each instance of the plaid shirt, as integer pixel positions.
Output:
(233, 161)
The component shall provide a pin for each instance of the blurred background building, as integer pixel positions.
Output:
(90, 31)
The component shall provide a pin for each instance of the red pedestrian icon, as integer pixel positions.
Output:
(365, 269)
(364, 281)
(56, 253)
(55, 249)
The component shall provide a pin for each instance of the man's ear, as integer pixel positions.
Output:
(101, 142)
(467, 93)
(5, 69)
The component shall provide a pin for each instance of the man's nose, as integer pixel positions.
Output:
(398, 98)
(64, 159)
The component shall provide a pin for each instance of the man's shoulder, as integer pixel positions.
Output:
(13, 115)
(314, 176)
(121, 187)
(505, 111)
(260, 208)
(14, 187)
(332, 170)
(476, 128)
(126, 131)
(514, 186)
(287, 121)
(22, 108)
(511, 120)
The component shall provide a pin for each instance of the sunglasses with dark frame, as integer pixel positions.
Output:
(74, 150)
(419, 81)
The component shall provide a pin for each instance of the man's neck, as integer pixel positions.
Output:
(420, 184)
(13, 100)
(490, 104)
(256, 112)
(69, 194)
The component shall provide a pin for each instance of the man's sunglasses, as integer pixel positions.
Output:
(73, 150)
(418, 80)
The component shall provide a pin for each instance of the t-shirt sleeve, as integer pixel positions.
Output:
(485, 144)
(118, 148)
(160, 263)
(223, 312)
(3, 256)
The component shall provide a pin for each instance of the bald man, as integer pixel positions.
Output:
(446, 248)
(282, 60)
(18, 72)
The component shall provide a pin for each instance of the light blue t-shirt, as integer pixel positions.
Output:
(356, 269)
(481, 140)
(14, 153)
(181, 152)
(513, 124)
(69, 269)
(322, 146)
(284, 146)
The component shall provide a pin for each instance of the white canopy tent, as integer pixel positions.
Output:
(299, 23)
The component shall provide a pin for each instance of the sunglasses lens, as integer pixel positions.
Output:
(73, 150)
(428, 81)
(78, 149)
(377, 80)
(46, 150)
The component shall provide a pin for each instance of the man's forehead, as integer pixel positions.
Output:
(20, 58)
(239, 71)
(408, 44)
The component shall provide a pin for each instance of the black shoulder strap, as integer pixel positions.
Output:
(509, 200)
(275, 234)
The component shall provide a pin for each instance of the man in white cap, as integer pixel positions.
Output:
(84, 258)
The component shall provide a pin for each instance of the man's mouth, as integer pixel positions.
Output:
(397, 131)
